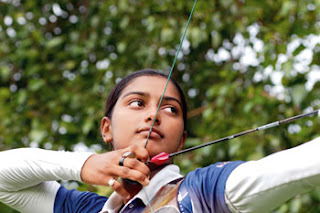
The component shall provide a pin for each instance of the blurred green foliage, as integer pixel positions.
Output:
(243, 64)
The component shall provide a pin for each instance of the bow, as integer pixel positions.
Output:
(164, 157)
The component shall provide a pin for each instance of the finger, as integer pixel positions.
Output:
(135, 175)
(135, 164)
(117, 187)
(140, 152)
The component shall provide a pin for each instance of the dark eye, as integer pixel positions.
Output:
(136, 103)
(171, 109)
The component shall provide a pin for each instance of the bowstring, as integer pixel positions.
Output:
(148, 200)
(169, 76)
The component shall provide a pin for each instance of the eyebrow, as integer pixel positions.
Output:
(166, 98)
(169, 98)
(134, 93)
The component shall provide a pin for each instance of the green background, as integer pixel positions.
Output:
(243, 64)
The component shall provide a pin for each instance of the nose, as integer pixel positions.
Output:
(152, 117)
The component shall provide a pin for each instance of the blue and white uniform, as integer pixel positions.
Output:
(202, 189)
(28, 183)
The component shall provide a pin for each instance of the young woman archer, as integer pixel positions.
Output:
(28, 178)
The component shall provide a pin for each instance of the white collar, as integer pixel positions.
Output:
(163, 177)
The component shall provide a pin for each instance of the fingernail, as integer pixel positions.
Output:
(128, 197)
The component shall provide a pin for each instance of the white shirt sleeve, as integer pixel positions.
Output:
(261, 186)
(28, 176)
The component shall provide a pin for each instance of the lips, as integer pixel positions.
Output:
(155, 133)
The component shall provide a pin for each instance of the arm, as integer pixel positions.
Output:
(27, 177)
(261, 186)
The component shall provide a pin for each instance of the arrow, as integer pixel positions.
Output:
(164, 157)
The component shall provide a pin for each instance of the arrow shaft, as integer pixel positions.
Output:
(267, 126)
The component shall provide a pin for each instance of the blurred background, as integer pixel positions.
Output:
(243, 64)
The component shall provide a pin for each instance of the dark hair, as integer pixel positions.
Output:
(117, 90)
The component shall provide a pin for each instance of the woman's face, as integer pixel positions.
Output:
(134, 112)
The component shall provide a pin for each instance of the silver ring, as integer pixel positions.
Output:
(111, 182)
(128, 154)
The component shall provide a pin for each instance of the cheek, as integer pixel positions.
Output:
(120, 117)
(175, 132)
(123, 128)
(175, 125)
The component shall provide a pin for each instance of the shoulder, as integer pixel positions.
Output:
(214, 172)
(203, 189)
(77, 201)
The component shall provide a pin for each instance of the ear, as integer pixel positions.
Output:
(182, 140)
(106, 130)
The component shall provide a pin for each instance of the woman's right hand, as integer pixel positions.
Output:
(100, 168)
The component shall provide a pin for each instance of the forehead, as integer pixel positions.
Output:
(153, 85)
